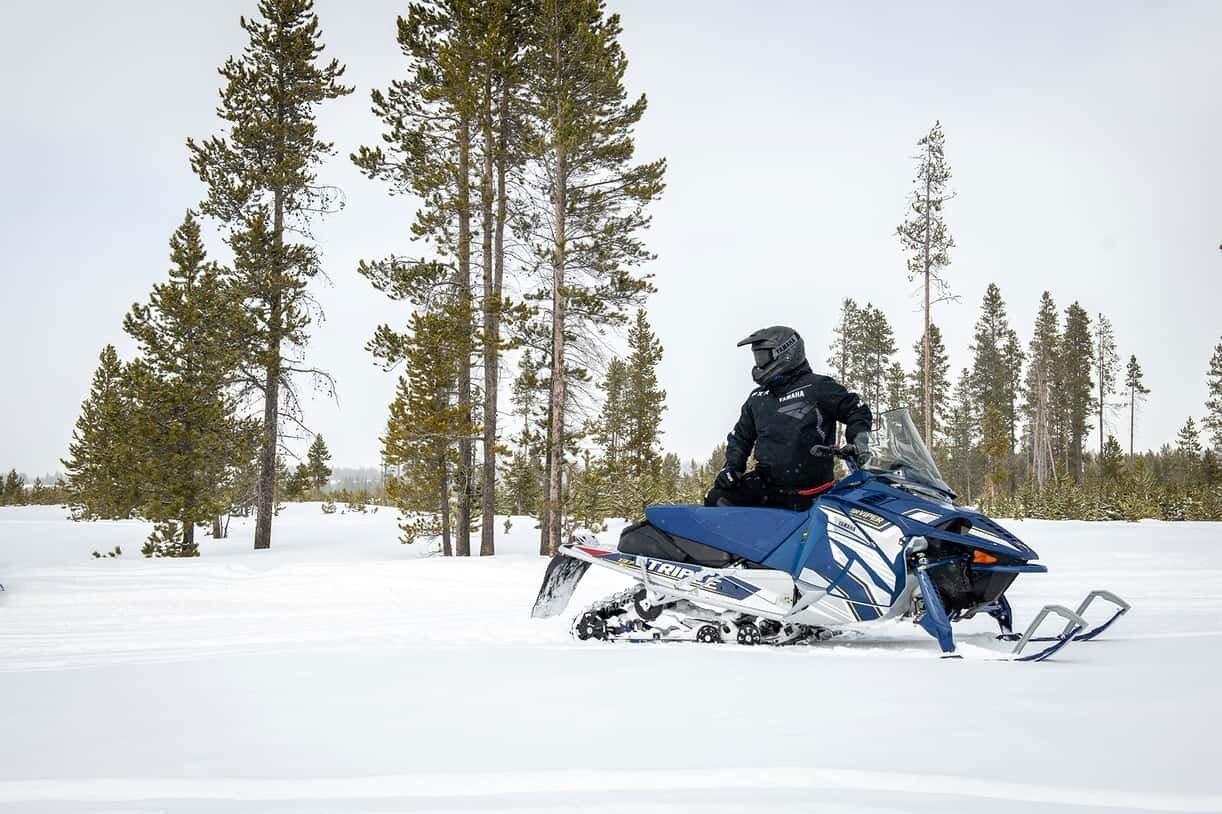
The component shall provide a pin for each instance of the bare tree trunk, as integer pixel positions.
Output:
(466, 456)
(218, 531)
(492, 350)
(443, 506)
(555, 498)
(1132, 417)
(265, 492)
(545, 512)
(188, 533)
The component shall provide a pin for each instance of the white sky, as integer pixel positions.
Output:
(1084, 139)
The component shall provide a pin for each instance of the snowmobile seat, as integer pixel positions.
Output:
(741, 532)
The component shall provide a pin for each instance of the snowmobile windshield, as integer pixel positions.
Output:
(897, 449)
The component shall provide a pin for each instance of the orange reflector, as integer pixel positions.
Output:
(981, 558)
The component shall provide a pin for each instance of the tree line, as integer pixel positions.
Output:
(510, 134)
(512, 130)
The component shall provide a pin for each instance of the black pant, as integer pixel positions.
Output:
(755, 491)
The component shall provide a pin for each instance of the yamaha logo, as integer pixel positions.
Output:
(797, 394)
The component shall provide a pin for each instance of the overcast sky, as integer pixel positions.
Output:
(1085, 141)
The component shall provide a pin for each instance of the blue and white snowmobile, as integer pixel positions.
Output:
(885, 542)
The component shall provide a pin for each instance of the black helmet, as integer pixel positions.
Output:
(778, 350)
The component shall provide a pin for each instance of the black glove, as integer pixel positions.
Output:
(728, 479)
(859, 450)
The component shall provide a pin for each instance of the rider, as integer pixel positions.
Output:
(792, 410)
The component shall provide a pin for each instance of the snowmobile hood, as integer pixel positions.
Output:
(918, 516)
(746, 532)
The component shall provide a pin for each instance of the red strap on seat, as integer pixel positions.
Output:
(817, 490)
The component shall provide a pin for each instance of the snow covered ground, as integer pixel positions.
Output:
(342, 671)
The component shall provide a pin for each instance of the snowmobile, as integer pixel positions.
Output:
(885, 542)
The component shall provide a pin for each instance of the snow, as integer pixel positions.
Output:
(343, 671)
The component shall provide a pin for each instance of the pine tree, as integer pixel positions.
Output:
(877, 346)
(426, 421)
(318, 472)
(896, 387)
(500, 53)
(102, 477)
(997, 362)
(1106, 365)
(961, 434)
(189, 336)
(1213, 419)
(845, 345)
(939, 382)
(1188, 448)
(582, 149)
(430, 120)
(13, 493)
(927, 240)
(1137, 390)
(262, 185)
(1040, 391)
(611, 430)
(1074, 384)
(645, 400)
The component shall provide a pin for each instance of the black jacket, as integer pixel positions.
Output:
(783, 420)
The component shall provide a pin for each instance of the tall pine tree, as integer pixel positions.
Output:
(1040, 391)
(1137, 390)
(582, 147)
(1106, 365)
(925, 237)
(1074, 362)
(997, 360)
(262, 185)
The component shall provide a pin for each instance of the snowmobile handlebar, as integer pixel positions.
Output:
(848, 454)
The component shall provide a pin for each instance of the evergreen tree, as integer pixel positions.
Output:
(1213, 419)
(581, 143)
(1137, 390)
(877, 343)
(298, 483)
(845, 345)
(928, 242)
(1106, 365)
(645, 400)
(961, 434)
(426, 420)
(430, 120)
(997, 363)
(262, 185)
(319, 474)
(186, 424)
(1188, 448)
(895, 385)
(938, 381)
(611, 430)
(13, 493)
(1040, 391)
(1074, 357)
(102, 480)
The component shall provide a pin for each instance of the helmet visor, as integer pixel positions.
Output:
(763, 356)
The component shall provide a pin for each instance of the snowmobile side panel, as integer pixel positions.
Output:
(747, 532)
(559, 583)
